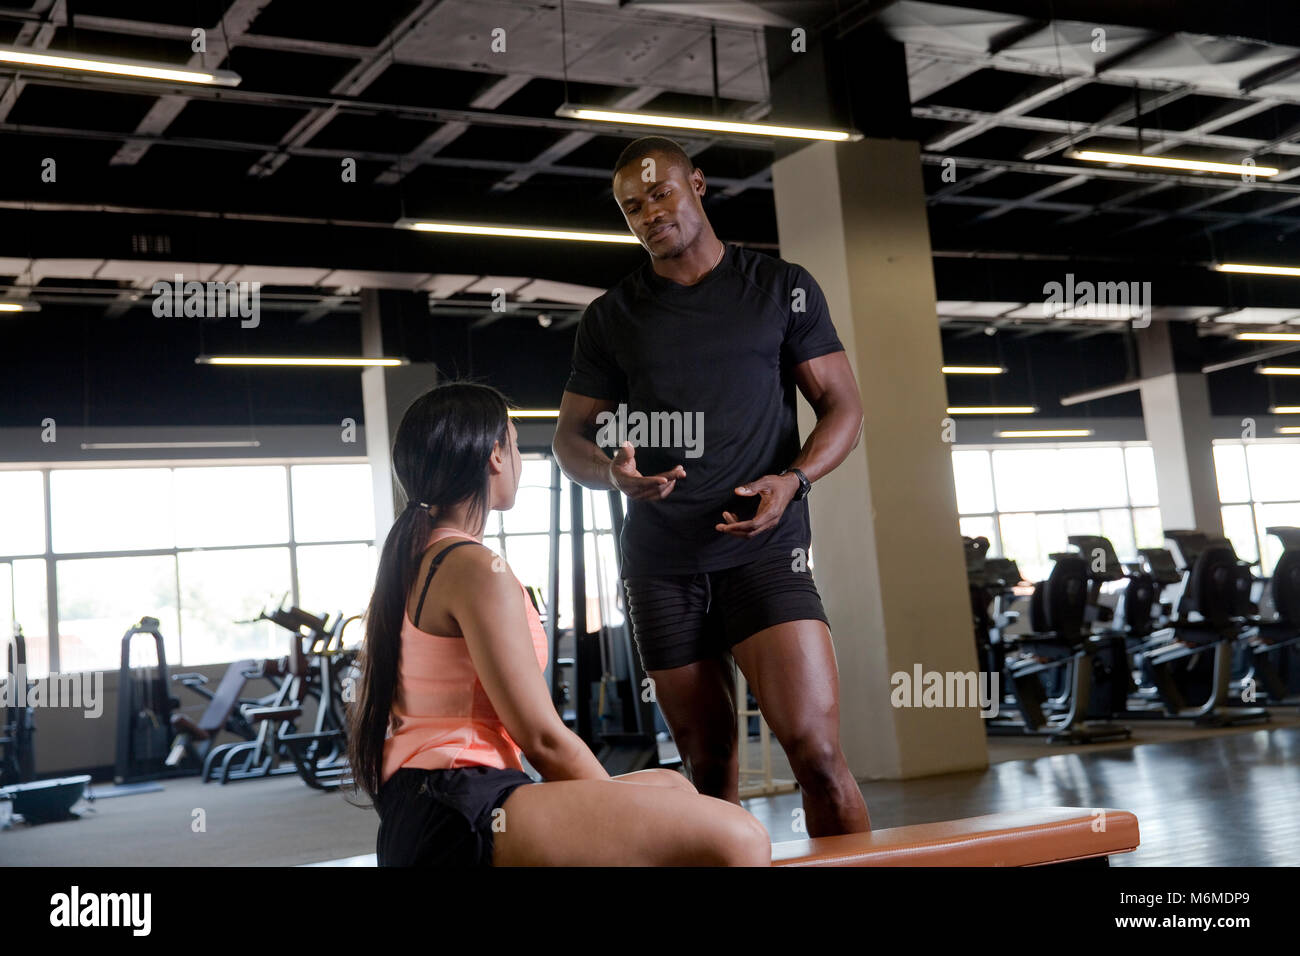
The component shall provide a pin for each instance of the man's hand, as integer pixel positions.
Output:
(624, 476)
(775, 493)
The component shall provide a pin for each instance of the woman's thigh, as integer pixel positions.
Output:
(657, 777)
(594, 823)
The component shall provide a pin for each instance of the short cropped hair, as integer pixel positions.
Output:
(643, 147)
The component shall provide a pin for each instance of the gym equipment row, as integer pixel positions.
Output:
(1055, 654)
(1185, 633)
(155, 741)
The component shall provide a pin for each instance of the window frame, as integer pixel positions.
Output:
(52, 557)
(996, 545)
(1250, 492)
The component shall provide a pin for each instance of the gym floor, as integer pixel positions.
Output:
(1195, 792)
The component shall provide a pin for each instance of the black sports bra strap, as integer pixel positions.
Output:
(432, 568)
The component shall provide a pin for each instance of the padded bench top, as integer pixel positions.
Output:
(1015, 838)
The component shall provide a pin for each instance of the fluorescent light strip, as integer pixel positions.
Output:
(711, 125)
(12, 306)
(121, 445)
(115, 65)
(1277, 370)
(516, 232)
(1165, 162)
(298, 360)
(1048, 433)
(992, 409)
(1285, 410)
(972, 370)
(535, 413)
(1245, 268)
(1268, 336)
(1289, 430)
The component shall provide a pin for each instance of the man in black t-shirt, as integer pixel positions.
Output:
(686, 372)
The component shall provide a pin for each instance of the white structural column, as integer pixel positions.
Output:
(1176, 412)
(886, 540)
(387, 392)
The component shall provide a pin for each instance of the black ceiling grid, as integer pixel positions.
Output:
(249, 176)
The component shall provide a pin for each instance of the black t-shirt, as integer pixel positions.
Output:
(703, 376)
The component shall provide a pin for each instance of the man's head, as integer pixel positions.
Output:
(659, 190)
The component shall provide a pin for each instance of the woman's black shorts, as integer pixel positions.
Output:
(679, 619)
(442, 817)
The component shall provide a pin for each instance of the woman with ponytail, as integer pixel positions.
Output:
(452, 691)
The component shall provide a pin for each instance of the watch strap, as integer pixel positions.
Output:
(804, 484)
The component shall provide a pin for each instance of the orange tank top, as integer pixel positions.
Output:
(442, 717)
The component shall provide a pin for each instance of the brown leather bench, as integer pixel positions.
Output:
(1016, 838)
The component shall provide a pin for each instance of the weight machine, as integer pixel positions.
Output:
(17, 756)
(596, 678)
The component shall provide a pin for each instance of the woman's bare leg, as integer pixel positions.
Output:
(657, 777)
(592, 823)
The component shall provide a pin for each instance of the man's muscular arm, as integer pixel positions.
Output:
(580, 458)
(586, 462)
(830, 387)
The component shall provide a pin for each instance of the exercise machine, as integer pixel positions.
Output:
(597, 683)
(1110, 633)
(192, 740)
(144, 712)
(34, 801)
(1273, 662)
(1189, 662)
(1057, 647)
(318, 755)
(313, 671)
(613, 713)
(992, 585)
(1143, 607)
(17, 753)
(976, 550)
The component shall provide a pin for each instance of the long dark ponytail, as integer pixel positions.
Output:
(440, 458)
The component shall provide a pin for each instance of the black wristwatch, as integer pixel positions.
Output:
(805, 485)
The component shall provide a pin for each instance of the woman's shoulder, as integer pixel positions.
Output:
(462, 574)
(456, 554)
(468, 562)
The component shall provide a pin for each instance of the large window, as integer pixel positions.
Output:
(23, 592)
(1028, 501)
(22, 512)
(204, 548)
(522, 536)
(201, 548)
(1259, 488)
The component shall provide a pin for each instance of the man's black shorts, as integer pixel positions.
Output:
(679, 619)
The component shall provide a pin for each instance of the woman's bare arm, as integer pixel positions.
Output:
(489, 607)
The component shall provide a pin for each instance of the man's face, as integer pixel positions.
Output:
(661, 203)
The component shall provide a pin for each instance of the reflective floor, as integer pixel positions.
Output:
(1221, 801)
(1227, 800)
